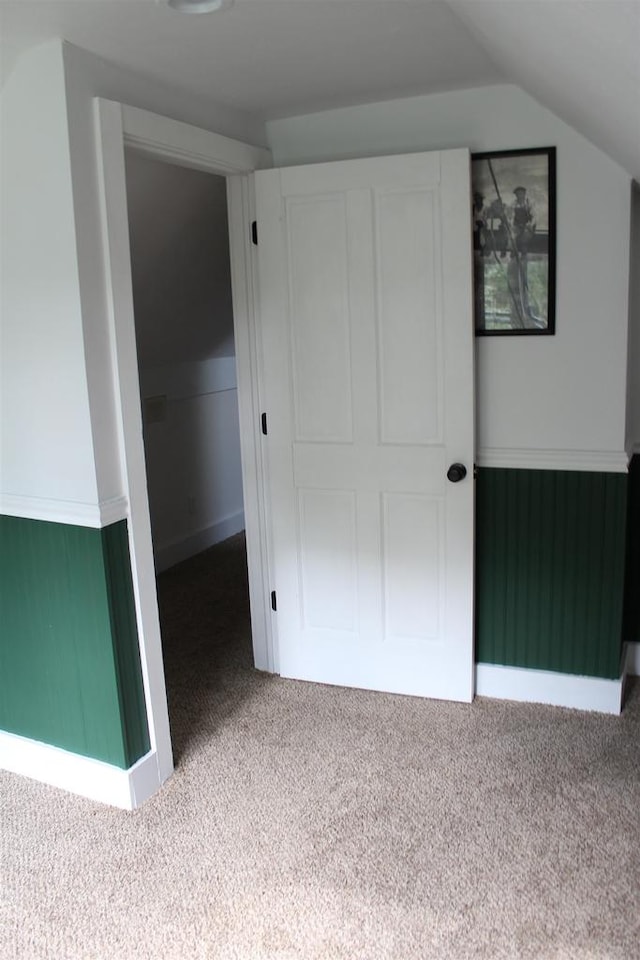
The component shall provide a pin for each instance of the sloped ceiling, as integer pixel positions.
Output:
(275, 58)
(579, 58)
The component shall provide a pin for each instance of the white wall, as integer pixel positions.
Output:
(59, 454)
(179, 239)
(184, 330)
(633, 373)
(193, 458)
(560, 393)
(46, 451)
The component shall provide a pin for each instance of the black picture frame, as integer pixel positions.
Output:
(514, 241)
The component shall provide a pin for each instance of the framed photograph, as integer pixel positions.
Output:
(514, 241)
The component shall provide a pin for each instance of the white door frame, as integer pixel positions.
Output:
(179, 143)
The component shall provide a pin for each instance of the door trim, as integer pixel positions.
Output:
(118, 126)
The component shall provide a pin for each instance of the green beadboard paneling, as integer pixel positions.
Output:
(632, 582)
(550, 564)
(63, 641)
(124, 632)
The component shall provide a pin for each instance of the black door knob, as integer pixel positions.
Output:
(456, 472)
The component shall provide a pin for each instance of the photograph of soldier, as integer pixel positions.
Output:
(522, 223)
(479, 241)
(513, 241)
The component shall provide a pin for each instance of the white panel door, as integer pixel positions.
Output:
(365, 293)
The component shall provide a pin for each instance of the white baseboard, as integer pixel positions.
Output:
(94, 779)
(633, 659)
(543, 686)
(168, 554)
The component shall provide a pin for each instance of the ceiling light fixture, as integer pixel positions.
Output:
(199, 6)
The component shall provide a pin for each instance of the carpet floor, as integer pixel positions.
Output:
(306, 822)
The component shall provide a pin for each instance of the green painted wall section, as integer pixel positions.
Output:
(124, 634)
(550, 567)
(550, 574)
(632, 585)
(70, 671)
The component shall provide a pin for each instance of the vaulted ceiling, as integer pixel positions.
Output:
(274, 58)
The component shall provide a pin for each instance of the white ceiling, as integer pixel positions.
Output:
(580, 58)
(274, 58)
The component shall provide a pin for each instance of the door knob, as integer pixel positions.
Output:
(456, 472)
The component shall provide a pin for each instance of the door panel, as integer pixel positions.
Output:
(319, 339)
(366, 316)
(412, 558)
(327, 549)
(409, 335)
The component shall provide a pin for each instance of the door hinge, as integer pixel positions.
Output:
(254, 232)
(263, 418)
(274, 604)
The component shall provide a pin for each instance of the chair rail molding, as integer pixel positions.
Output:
(96, 515)
(586, 461)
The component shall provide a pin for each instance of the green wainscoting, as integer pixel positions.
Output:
(70, 672)
(632, 586)
(550, 572)
(550, 566)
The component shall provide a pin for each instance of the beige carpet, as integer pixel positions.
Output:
(312, 822)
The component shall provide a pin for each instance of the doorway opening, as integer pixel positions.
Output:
(180, 265)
